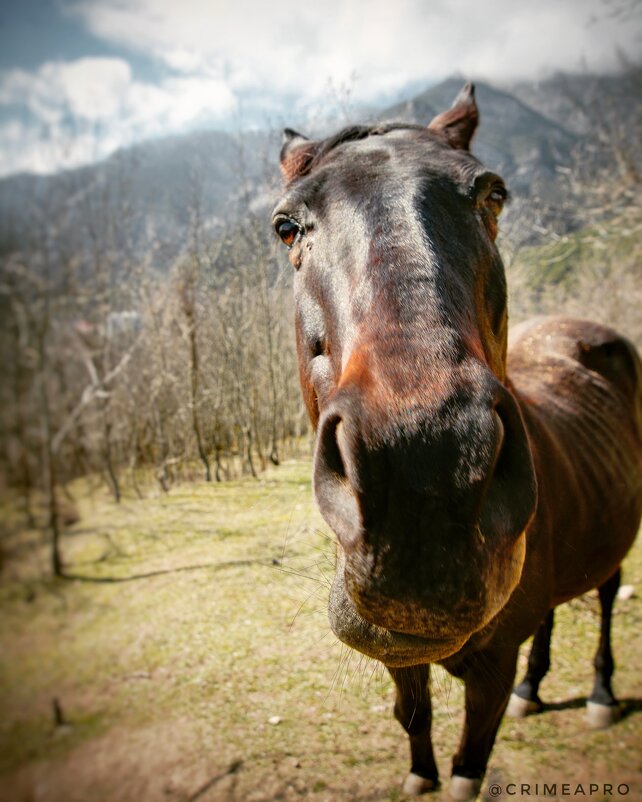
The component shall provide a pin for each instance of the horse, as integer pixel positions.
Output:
(474, 481)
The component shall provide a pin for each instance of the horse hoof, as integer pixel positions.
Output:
(463, 788)
(414, 785)
(519, 708)
(601, 716)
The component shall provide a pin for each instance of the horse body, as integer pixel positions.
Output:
(579, 386)
(472, 487)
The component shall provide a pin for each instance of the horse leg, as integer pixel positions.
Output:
(413, 711)
(602, 707)
(525, 697)
(489, 677)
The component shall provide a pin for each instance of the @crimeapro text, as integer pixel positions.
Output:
(559, 789)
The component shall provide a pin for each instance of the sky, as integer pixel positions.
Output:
(81, 78)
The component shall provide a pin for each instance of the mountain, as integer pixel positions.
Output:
(579, 102)
(607, 106)
(528, 132)
(518, 142)
(159, 182)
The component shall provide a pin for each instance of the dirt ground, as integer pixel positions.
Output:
(191, 659)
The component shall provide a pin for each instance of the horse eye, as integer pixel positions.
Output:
(287, 231)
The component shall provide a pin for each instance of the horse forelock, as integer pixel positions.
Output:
(315, 152)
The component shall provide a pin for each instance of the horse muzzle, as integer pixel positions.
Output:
(430, 517)
(394, 649)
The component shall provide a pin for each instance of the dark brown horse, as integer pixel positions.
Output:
(472, 489)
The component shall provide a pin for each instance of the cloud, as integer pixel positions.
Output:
(297, 47)
(82, 110)
(29, 148)
(88, 89)
(215, 57)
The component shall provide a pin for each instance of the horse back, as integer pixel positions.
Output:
(579, 385)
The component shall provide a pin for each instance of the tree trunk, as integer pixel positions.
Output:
(250, 460)
(161, 470)
(109, 462)
(196, 423)
(257, 430)
(49, 470)
(217, 461)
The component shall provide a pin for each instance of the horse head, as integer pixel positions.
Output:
(422, 464)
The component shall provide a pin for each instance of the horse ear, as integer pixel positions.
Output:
(458, 124)
(296, 154)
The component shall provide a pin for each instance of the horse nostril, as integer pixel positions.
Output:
(332, 488)
(331, 441)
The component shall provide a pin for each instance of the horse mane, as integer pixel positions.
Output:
(353, 133)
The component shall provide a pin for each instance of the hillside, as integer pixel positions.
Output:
(580, 102)
(155, 182)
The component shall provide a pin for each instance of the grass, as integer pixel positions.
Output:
(562, 261)
(192, 659)
(592, 273)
